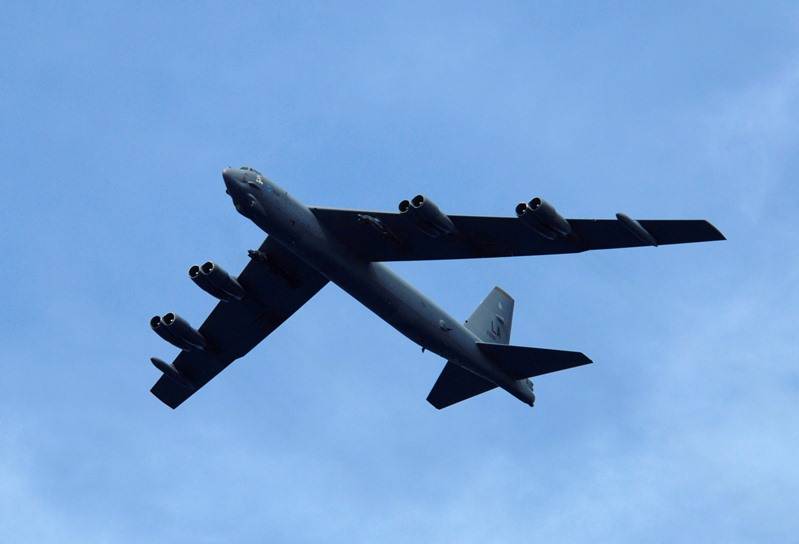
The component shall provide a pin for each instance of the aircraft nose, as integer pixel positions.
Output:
(229, 175)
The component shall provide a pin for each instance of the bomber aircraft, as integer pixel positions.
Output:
(308, 247)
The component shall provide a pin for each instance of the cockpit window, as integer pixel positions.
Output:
(250, 169)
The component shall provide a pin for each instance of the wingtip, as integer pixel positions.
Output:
(169, 392)
(719, 235)
(164, 402)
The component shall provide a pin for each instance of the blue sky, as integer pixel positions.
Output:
(116, 122)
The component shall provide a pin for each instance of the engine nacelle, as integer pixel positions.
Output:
(175, 330)
(539, 215)
(213, 279)
(427, 217)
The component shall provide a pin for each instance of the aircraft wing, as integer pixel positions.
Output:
(276, 284)
(386, 236)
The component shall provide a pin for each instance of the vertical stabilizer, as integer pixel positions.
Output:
(492, 320)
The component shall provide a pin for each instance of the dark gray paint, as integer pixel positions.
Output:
(309, 246)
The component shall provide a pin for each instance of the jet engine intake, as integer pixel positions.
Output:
(213, 279)
(427, 217)
(539, 215)
(175, 330)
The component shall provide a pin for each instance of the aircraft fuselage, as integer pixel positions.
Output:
(371, 283)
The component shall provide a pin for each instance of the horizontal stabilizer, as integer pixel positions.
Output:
(521, 362)
(456, 384)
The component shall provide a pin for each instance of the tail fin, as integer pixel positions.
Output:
(492, 320)
(522, 362)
